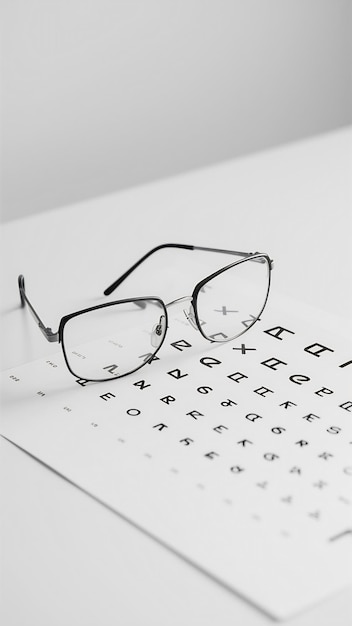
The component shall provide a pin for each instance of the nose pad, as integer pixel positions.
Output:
(158, 332)
(190, 315)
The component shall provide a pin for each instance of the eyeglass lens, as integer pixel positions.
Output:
(114, 340)
(231, 302)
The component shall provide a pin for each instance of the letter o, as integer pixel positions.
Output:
(133, 412)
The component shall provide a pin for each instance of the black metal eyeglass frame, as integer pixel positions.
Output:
(57, 336)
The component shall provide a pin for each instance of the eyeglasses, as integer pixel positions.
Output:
(117, 338)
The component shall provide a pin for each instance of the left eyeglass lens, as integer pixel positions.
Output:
(114, 340)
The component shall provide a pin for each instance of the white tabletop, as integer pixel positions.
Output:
(65, 558)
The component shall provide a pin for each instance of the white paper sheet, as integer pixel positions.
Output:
(236, 456)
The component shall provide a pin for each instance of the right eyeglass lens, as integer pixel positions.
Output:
(114, 340)
(231, 302)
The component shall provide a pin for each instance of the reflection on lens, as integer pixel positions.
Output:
(232, 301)
(115, 339)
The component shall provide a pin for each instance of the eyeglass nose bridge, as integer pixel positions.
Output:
(189, 314)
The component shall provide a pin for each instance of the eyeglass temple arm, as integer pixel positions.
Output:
(119, 280)
(47, 332)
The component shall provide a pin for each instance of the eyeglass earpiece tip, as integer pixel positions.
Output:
(21, 287)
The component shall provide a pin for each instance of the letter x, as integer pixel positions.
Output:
(225, 311)
(243, 348)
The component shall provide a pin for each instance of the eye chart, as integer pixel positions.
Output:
(236, 456)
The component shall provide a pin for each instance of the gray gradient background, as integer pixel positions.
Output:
(99, 95)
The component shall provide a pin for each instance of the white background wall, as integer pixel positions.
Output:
(104, 94)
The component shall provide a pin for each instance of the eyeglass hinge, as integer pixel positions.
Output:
(48, 333)
(261, 260)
